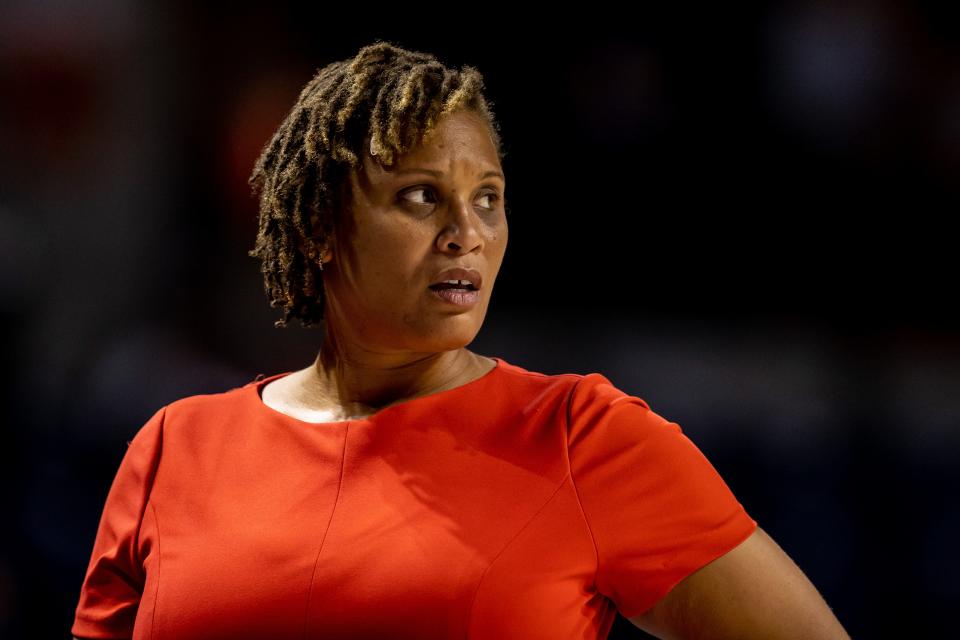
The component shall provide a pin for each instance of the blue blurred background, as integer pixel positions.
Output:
(739, 215)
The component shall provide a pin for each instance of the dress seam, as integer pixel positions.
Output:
(316, 561)
(156, 591)
(505, 546)
(148, 501)
(573, 481)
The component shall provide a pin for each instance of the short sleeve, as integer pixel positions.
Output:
(114, 582)
(656, 507)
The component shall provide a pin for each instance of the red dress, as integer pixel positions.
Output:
(518, 505)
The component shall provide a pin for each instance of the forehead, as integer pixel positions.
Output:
(460, 141)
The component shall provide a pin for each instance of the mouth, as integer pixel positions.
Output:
(460, 278)
(453, 285)
(458, 286)
(459, 293)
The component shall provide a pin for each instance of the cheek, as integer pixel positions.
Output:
(390, 254)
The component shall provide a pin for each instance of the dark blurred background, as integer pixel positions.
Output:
(739, 215)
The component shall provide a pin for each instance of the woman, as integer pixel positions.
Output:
(401, 485)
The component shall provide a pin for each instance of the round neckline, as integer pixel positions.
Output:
(257, 387)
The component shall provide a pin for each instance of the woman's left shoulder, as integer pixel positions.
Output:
(511, 373)
(573, 388)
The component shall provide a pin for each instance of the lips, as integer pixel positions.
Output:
(458, 278)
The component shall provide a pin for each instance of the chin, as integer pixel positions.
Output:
(453, 342)
(449, 338)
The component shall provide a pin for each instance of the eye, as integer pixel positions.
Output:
(491, 196)
(416, 190)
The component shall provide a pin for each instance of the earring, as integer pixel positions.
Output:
(315, 255)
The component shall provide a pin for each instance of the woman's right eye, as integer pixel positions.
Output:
(414, 190)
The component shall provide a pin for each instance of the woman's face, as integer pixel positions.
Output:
(439, 207)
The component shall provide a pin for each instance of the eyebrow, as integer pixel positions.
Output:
(437, 174)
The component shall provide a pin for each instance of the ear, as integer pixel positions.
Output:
(314, 248)
(311, 243)
(324, 254)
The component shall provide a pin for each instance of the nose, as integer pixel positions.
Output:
(460, 233)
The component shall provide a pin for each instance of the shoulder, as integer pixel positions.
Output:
(204, 408)
(209, 401)
(596, 390)
(525, 381)
(580, 392)
(193, 419)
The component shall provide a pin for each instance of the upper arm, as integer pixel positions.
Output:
(116, 575)
(656, 508)
(753, 591)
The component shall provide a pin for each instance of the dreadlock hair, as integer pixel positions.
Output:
(383, 101)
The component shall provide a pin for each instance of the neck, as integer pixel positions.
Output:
(361, 380)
